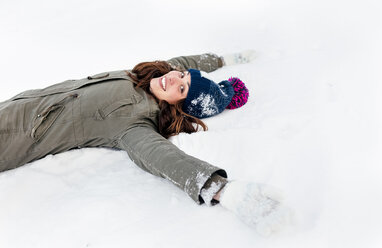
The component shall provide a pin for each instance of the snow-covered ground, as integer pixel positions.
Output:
(312, 126)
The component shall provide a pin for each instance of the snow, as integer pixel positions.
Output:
(311, 127)
(258, 205)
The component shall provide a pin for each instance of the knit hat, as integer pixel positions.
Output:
(205, 98)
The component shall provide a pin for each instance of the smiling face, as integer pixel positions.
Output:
(171, 87)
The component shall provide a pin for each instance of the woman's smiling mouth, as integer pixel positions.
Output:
(163, 83)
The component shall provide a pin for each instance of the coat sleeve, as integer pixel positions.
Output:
(205, 62)
(158, 156)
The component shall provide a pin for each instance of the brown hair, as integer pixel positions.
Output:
(171, 120)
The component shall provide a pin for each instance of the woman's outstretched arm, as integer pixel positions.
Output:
(207, 62)
(155, 154)
(258, 205)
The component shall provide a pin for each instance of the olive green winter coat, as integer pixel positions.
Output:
(103, 110)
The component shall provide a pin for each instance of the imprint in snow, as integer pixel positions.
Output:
(207, 104)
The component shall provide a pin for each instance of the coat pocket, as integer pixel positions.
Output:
(46, 118)
(119, 108)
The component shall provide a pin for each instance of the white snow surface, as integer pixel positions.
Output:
(311, 127)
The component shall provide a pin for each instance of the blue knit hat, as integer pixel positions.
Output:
(205, 98)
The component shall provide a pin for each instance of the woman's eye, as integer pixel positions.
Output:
(181, 89)
(182, 75)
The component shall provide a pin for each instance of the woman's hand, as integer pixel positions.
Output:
(239, 58)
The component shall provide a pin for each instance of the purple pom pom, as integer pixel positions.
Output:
(241, 93)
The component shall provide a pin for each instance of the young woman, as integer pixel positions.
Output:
(136, 110)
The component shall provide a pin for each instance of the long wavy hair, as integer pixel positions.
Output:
(172, 119)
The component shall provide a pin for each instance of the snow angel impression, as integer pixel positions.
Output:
(136, 111)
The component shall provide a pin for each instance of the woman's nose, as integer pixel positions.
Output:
(174, 80)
